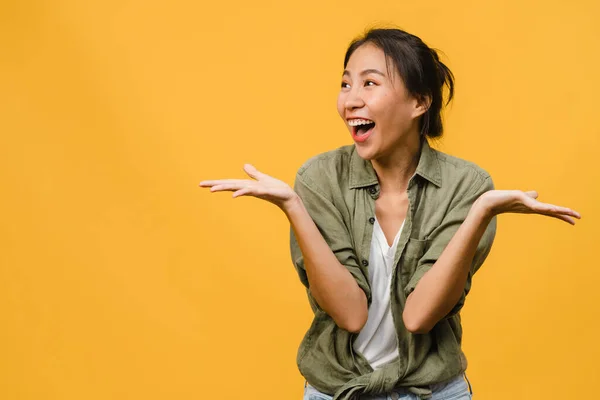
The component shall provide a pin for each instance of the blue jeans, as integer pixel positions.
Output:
(457, 388)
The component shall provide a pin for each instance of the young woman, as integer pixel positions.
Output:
(387, 233)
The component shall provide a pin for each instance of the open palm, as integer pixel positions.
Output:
(516, 201)
(261, 186)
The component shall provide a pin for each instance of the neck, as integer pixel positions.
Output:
(395, 170)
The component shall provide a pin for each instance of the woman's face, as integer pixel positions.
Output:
(375, 105)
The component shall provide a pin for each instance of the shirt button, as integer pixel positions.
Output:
(372, 220)
(365, 263)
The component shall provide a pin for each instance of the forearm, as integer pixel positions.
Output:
(331, 284)
(440, 288)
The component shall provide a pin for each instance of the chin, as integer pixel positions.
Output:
(365, 152)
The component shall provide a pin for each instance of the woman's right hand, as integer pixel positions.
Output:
(261, 186)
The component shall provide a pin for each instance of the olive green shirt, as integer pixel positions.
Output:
(339, 189)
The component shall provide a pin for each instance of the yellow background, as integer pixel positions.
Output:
(121, 279)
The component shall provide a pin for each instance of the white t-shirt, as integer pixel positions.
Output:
(377, 341)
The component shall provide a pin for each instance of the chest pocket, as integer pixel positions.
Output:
(414, 250)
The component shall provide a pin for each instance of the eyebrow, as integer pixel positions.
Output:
(366, 72)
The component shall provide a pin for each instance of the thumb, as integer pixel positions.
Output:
(532, 193)
(252, 171)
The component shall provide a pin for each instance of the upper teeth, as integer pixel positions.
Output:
(356, 122)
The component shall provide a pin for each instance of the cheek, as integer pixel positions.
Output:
(395, 110)
(384, 109)
(340, 105)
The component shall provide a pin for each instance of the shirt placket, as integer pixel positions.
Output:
(396, 301)
(368, 213)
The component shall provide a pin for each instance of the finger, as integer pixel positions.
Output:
(230, 186)
(241, 192)
(252, 190)
(567, 217)
(573, 213)
(211, 183)
(564, 218)
(252, 171)
(554, 209)
(223, 182)
(218, 188)
(567, 211)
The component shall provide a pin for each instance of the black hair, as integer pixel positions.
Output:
(420, 68)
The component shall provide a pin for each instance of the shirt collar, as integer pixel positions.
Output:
(362, 173)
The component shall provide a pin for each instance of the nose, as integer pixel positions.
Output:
(353, 100)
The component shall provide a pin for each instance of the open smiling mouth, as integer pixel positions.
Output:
(361, 129)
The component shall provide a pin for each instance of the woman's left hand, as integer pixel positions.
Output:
(516, 201)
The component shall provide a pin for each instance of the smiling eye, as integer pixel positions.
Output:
(368, 82)
(345, 85)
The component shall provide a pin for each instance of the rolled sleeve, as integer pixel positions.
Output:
(441, 236)
(330, 223)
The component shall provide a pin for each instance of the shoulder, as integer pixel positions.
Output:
(327, 160)
(453, 165)
(456, 171)
(327, 170)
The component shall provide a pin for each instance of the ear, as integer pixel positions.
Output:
(422, 104)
